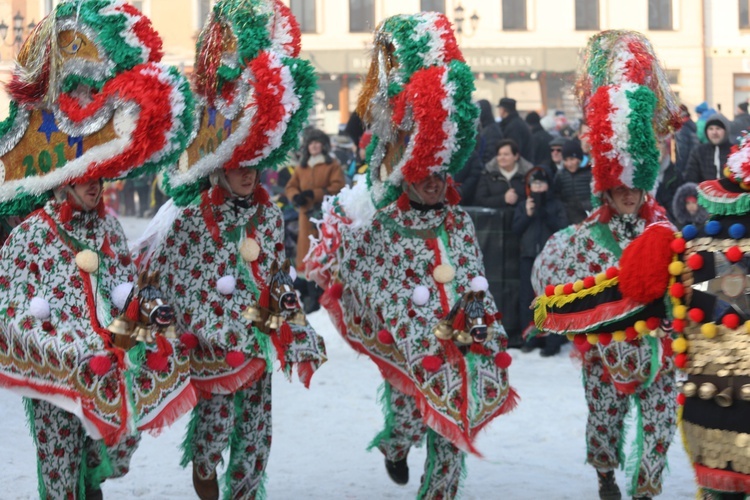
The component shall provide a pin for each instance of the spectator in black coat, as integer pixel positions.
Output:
(740, 124)
(514, 127)
(572, 184)
(535, 220)
(707, 160)
(668, 181)
(502, 182)
(540, 140)
(686, 139)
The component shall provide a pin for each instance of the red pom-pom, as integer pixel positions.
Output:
(100, 365)
(549, 290)
(452, 196)
(680, 360)
(677, 290)
(260, 195)
(695, 261)
(489, 319)
(279, 246)
(678, 325)
(66, 212)
(157, 362)
(498, 316)
(235, 358)
(336, 291)
(403, 203)
(734, 254)
(385, 337)
(217, 196)
(503, 360)
(653, 323)
(681, 399)
(731, 321)
(432, 363)
(568, 288)
(189, 340)
(580, 340)
(696, 315)
(678, 245)
(605, 338)
(612, 272)
(644, 266)
(588, 282)
(630, 334)
(133, 311)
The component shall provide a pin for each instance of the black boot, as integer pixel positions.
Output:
(207, 489)
(532, 343)
(608, 489)
(641, 498)
(552, 345)
(93, 494)
(398, 471)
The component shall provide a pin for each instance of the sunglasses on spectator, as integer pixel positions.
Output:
(557, 150)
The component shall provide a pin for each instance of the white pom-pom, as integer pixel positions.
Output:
(226, 285)
(444, 273)
(120, 295)
(479, 284)
(250, 250)
(293, 273)
(39, 308)
(87, 261)
(420, 296)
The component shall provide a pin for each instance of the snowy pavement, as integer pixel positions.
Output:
(535, 453)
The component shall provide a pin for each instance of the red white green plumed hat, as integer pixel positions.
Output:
(253, 94)
(628, 105)
(89, 101)
(730, 195)
(417, 102)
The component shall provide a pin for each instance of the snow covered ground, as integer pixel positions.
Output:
(320, 435)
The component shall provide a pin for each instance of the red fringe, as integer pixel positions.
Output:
(459, 321)
(183, 403)
(305, 371)
(598, 117)
(403, 202)
(451, 195)
(265, 298)
(218, 197)
(450, 46)
(208, 217)
(145, 32)
(281, 348)
(66, 212)
(244, 376)
(286, 333)
(134, 310)
(722, 480)
(295, 45)
(261, 195)
(106, 248)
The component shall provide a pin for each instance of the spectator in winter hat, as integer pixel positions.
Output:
(513, 127)
(573, 183)
(707, 160)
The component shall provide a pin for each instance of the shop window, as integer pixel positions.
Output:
(587, 14)
(304, 11)
(660, 14)
(433, 6)
(514, 14)
(744, 15)
(741, 87)
(361, 16)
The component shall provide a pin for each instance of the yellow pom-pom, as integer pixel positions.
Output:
(747, 326)
(444, 273)
(675, 268)
(592, 338)
(745, 186)
(578, 286)
(708, 330)
(728, 173)
(570, 336)
(559, 289)
(249, 250)
(618, 336)
(641, 327)
(680, 312)
(87, 261)
(679, 345)
(600, 278)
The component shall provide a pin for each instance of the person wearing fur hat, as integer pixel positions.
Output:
(707, 160)
(623, 366)
(76, 335)
(686, 209)
(403, 273)
(219, 247)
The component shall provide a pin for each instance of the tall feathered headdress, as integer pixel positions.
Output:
(628, 106)
(417, 101)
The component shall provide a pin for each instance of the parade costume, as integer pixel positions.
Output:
(405, 281)
(90, 102)
(221, 255)
(627, 358)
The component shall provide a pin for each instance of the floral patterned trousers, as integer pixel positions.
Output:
(68, 461)
(404, 429)
(654, 426)
(242, 422)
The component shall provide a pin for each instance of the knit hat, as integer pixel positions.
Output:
(253, 93)
(507, 103)
(99, 107)
(418, 87)
(629, 106)
(572, 149)
(559, 141)
(533, 118)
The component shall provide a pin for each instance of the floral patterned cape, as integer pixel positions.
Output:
(49, 357)
(380, 266)
(202, 246)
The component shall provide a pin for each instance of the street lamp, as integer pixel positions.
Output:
(458, 19)
(18, 29)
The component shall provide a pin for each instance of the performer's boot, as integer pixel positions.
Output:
(608, 489)
(207, 489)
(93, 494)
(398, 471)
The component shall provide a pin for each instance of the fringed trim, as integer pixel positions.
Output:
(188, 450)
(717, 203)
(725, 481)
(633, 464)
(95, 476)
(230, 383)
(173, 410)
(305, 371)
(384, 397)
(546, 302)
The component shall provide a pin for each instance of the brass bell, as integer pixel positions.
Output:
(745, 392)
(142, 334)
(462, 337)
(724, 398)
(299, 318)
(170, 332)
(252, 314)
(443, 330)
(274, 322)
(689, 389)
(707, 390)
(120, 326)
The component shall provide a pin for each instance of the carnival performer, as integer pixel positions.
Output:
(628, 107)
(90, 102)
(403, 272)
(219, 248)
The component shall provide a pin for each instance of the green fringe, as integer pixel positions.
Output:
(430, 466)
(28, 406)
(471, 363)
(226, 74)
(7, 124)
(248, 25)
(642, 145)
(739, 206)
(234, 447)
(465, 116)
(188, 451)
(633, 464)
(137, 354)
(93, 477)
(23, 204)
(267, 349)
(655, 361)
(384, 396)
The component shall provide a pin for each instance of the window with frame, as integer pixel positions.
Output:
(514, 14)
(361, 16)
(744, 15)
(304, 11)
(433, 6)
(660, 14)
(587, 15)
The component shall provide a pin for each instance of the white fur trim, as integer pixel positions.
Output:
(420, 296)
(120, 295)
(226, 285)
(87, 261)
(39, 308)
(479, 284)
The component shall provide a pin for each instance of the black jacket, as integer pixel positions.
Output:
(670, 181)
(515, 128)
(574, 191)
(686, 139)
(540, 140)
(534, 231)
(701, 165)
(493, 185)
(741, 123)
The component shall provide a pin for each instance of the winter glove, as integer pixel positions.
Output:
(308, 194)
(298, 200)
